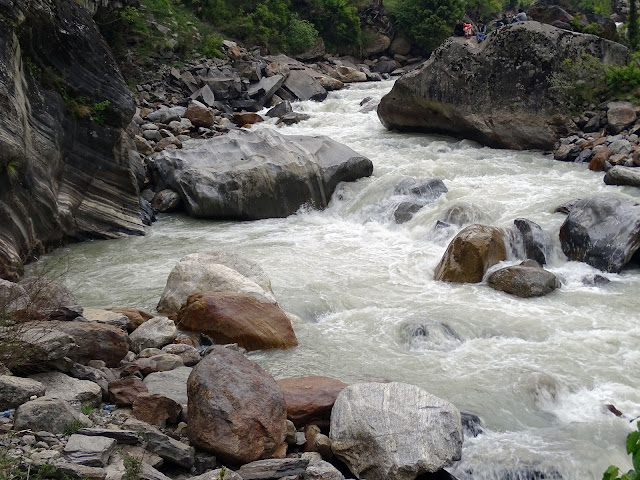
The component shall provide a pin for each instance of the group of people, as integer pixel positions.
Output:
(466, 29)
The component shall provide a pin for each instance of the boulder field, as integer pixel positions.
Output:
(505, 92)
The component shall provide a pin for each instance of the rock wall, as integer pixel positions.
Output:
(502, 92)
(65, 170)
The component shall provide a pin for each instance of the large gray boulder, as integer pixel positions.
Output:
(14, 391)
(47, 414)
(619, 175)
(603, 231)
(171, 384)
(154, 333)
(255, 175)
(394, 430)
(213, 272)
(72, 390)
(67, 180)
(502, 92)
(92, 451)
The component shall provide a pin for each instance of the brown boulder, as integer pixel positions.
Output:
(157, 363)
(310, 399)
(620, 115)
(597, 161)
(136, 316)
(526, 280)
(124, 392)
(470, 254)
(200, 115)
(237, 318)
(96, 341)
(246, 118)
(156, 409)
(236, 410)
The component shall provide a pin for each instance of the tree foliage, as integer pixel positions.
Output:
(633, 449)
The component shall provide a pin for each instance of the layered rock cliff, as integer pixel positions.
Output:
(505, 92)
(65, 166)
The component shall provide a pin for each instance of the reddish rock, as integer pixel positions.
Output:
(470, 254)
(136, 316)
(310, 399)
(236, 410)
(156, 409)
(184, 340)
(200, 115)
(237, 318)
(246, 118)
(96, 341)
(310, 432)
(124, 392)
(597, 161)
(157, 363)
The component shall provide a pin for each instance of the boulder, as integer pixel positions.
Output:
(166, 201)
(405, 211)
(14, 391)
(400, 45)
(273, 468)
(526, 280)
(171, 384)
(262, 91)
(376, 44)
(156, 409)
(200, 115)
(280, 109)
(136, 316)
(213, 272)
(95, 341)
(249, 175)
(38, 344)
(237, 318)
(302, 86)
(158, 363)
(426, 190)
(350, 75)
(154, 333)
(106, 317)
(535, 241)
(321, 470)
(124, 392)
(91, 451)
(46, 295)
(394, 430)
(166, 447)
(310, 399)
(470, 254)
(72, 390)
(236, 410)
(13, 297)
(603, 231)
(48, 414)
(166, 115)
(619, 175)
(187, 353)
(501, 93)
(620, 115)
(246, 118)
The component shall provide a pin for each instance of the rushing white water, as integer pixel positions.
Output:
(537, 371)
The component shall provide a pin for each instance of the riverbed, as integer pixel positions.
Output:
(539, 372)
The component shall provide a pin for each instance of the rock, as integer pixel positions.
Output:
(405, 211)
(620, 146)
(187, 353)
(43, 344)
(471, 424)
(168, 448)
(603, 231)
(400, 45)
(623, 176)
(310, 399)
(253, 175)
(264, 90)
(424, 189)
(124, 392)
(205, 96)
(280, 109)
(146, 212)
(116, 469)
(394, 430)
(158, 363)
(154, 333)
(49, 414)
(499, 94)
(309, 436)
(526, 280)
(136, 316)
(470, 254)
(224, 419)
(90, 451)
(598, 160)
(246, 118)
(321, 470)
(74, 470)
(350, 75)
(86, 187)
(273, 468)
(293, 118)
(302, 86)
(213, 272)
(100, 376)
(12, 297)
(462, 213)
(156, 409)
(330, 84)
(620, 115)
(95, 341)
(200, 115)
(166, 115)
(566, 153)
(237, 318)
(14, 391)
(128, 437)
(166, 200)
(223, 473)
(535, 241)
(385, 66)
(45, 294)
(171, 384)
(74, 391)
(107, 317)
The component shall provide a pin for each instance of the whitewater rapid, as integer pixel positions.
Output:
(539, 372)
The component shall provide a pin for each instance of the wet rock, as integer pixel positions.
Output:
(237, 318)
(222, 420)
(470, 254)
(91, 451)
(154, 333)
(273, 468)
(74, 391)
(526, 280)
(471, 424)
(536, 242)
(146, 212)
(293, 118)
(251, 175)
(424, 189)
(172, 384)
(567, 153)
(166, 200)
(623, 176)
(124, 392)
(280, 109)
(14, 391)
(462, 213)
(156, 409)
(620, 115)
(48, 414)
(603, 231)
(264, 90)
(310, 399)
(213, 272)
(369, 424)
(405, 211)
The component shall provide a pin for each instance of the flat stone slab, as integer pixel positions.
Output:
(89, 450)
(70, 389)
(273, 468)
(171, 384)
(121, 436)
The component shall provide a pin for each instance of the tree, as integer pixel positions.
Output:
(632, 20)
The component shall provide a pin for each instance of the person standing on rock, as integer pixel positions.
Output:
(481, 31)
(458, 29)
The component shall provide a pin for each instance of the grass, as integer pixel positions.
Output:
(132, 467)
(73, 427)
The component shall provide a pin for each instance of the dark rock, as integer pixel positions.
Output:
(405, 211)
(501, 93)
(293, 118)
(603, 231)
(424, 189)
(280, 109)
(385, 66)
(536, 242)
(619, 175)
(166, 200)
(471, 424)
(128, 437)
(262, 91)
(168, 448)
(147, 214)
(526, 280)
(302, 86)
(567, 153)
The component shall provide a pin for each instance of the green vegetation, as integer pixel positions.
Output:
(132, 467)
(73, 427)
(12, 469)
(632, 25)
(87, 409)
(624, 82)
(633, 449)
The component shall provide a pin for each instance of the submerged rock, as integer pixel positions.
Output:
(254, 175)
(502, 93)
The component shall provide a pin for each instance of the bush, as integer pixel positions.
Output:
(302, 35)
(633, 449)
(623, 82)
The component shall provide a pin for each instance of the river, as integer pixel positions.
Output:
(537, 371)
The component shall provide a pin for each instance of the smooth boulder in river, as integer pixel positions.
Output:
(505, 92)
(394, 431)
(256, 175)
(603, 231)
(526, 280)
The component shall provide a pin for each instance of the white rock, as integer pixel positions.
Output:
(90, 451)
(154, 333)
(70, 389)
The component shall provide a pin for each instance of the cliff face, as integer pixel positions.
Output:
(502, 92)
(65, 170)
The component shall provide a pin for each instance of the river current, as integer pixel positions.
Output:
(539, 372)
